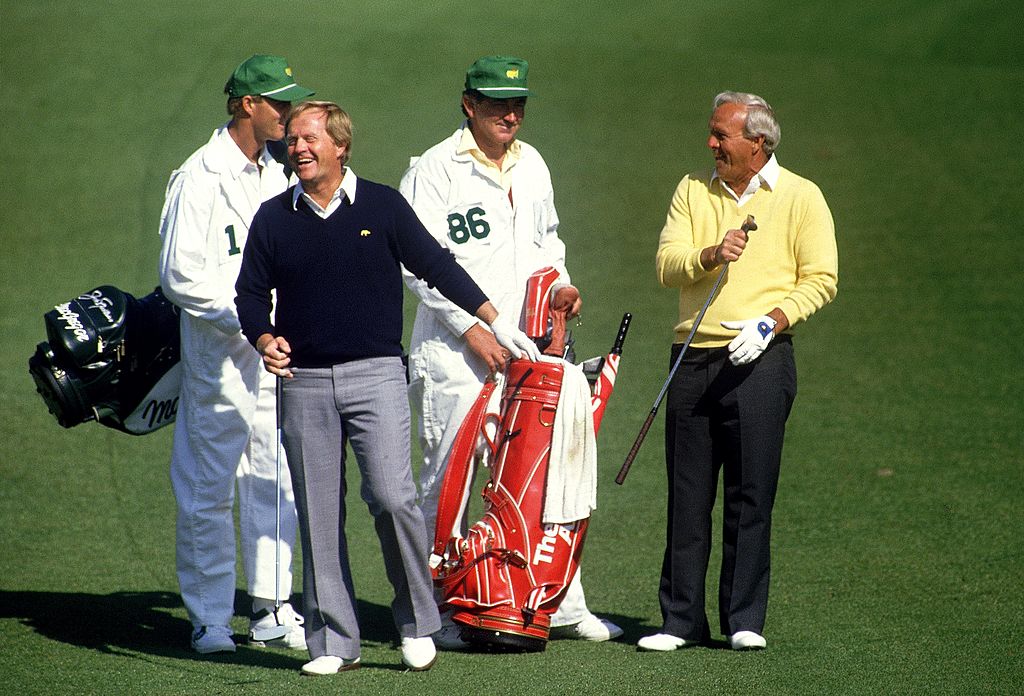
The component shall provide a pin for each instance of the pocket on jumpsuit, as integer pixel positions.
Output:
(422, 391)
(540, 223)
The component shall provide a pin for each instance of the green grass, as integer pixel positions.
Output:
(897, 548)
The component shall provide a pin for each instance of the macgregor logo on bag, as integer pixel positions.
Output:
(72, 323)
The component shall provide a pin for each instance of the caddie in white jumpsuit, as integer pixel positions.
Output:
(225, 432)
(487, 197)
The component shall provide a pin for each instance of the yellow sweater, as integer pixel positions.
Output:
(790, 261)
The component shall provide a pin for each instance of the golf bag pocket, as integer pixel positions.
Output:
(88, 329)
(112, 358)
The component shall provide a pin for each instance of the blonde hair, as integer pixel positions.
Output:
(338, 126)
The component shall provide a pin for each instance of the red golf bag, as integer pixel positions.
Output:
(506, 577)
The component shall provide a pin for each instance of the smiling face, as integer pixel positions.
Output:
(737, 158)
(494, 122)
(313, 154)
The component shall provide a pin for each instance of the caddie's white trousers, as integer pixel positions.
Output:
(225, 437)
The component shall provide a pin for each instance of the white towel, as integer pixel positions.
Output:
(571, 491)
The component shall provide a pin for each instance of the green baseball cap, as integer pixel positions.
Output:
(499, 77)
(267, 76)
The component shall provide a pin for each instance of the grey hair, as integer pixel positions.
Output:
(760, 117)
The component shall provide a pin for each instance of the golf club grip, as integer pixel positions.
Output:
(621, 337)
(636, 448)
(278, 399)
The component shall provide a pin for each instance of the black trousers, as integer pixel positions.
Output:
(728, 419)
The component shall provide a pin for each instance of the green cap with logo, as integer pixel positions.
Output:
(499, 77)
(266, 76)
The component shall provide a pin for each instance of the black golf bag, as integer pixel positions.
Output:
(112, 358)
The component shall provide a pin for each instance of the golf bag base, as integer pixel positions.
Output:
(504, 629)
(112, 358)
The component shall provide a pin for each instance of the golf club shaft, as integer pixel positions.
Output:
(278, 388)
(748, 226)
(635, 449)
(280, 630)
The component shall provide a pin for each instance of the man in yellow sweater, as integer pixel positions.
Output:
(730, 398)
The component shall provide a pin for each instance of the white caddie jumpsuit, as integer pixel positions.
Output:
(225, 432)
(499, 242)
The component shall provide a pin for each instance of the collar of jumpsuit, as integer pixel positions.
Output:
(228, 158)
(499, 175)
(247, 175)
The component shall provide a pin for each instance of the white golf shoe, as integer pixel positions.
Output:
(747, 640)
(592, 628)
(212, 639)
(283, 629)
(329, 664)
(664, 642)
(419, 654)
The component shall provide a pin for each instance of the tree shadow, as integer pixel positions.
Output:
(122, 623)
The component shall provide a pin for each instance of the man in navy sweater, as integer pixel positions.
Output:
(333, 247)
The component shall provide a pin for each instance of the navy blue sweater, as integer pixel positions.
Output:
(339, 280)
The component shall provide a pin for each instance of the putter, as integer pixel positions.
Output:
(748, 226)
(279, 631)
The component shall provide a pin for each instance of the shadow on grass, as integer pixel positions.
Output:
(633, 629)
(121, 623)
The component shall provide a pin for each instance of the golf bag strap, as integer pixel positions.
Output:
(456, 475)
(447, 582)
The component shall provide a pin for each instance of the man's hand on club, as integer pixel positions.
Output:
(274, 350)
(731, 248)
(755, 335)
(513, 340)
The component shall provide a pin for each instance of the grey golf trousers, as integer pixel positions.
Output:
(364, 403)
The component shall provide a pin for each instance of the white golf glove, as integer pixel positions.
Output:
(755, 335)
(513, 340)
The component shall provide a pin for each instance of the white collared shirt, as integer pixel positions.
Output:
(346, 189)
(768, 176)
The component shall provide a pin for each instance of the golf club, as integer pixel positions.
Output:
(748, 226)
(279, 631)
